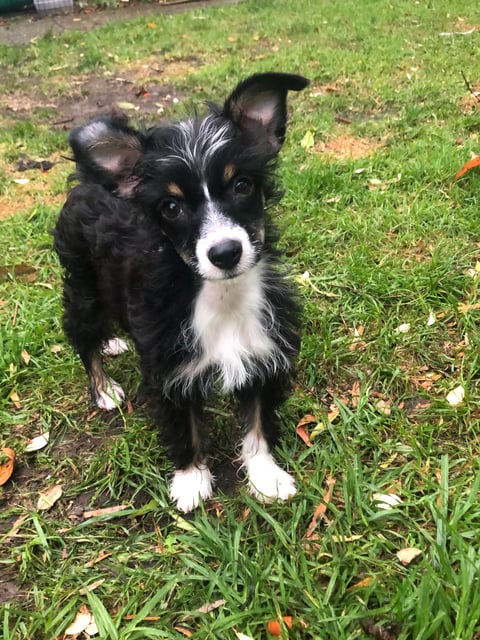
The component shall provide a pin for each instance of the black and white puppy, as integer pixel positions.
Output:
(167, 237)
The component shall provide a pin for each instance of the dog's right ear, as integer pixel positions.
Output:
(106, 151)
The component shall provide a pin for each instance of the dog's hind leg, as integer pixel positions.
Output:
(88, 329)
(266, 480)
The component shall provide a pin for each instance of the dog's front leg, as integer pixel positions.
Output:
(184, 439)
(267, 481)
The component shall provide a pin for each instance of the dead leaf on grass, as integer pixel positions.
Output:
(366, 582)
(320, 511)
(47, 498)
(6, 469)
(105, 511)
(91, 587)
(456, 396)
(387, 501)
(301, 430)
(184, 631)
(211, 606)
(37, 443)
(408, 555)
(242, 636)
(82, 620)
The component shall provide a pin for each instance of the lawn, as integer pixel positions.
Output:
(382, 539)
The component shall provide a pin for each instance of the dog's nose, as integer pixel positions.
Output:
(225, 254)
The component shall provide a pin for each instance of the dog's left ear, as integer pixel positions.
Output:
(106, 151)
(260, 102)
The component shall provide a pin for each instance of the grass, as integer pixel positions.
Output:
(387, 239)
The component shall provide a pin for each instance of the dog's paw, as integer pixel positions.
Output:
(114, 347)
(110, 397)
(267, 482)
(191, 485)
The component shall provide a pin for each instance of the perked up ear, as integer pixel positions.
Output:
(106, 151)
(260, 101)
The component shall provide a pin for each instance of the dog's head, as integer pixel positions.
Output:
(204, 182)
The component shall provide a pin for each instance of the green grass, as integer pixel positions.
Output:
(387, 238)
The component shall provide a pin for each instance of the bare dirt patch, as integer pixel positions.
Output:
(348, 147)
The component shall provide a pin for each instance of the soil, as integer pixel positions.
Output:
(23, 27)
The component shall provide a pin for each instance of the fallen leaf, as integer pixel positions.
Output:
(81, 622)
(211, 606)
(403, 328)
(387, 500)
(56, 348)
(366, 582)
(300, 428)
(456, 396)
(105, 511)
(25, 357)
(321, 510)
(91, 587)
(274, 627)
(47, 498)
(6, 469)
(464, 307)
(37, 443)
(308, 140)
(384, 406)
(15, 398)
(474, 162)
(408, 555)
(242, 636)
(184, 631)
(127, 106)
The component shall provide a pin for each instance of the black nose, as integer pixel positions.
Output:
(225, 254)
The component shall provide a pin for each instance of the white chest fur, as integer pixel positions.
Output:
(232, 325)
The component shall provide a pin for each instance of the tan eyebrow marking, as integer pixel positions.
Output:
(174, 190)
(229, 172)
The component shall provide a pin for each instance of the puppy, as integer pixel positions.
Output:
(166, 237)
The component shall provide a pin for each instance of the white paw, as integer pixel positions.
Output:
(191, 485)
(267, 482)
(114, 347)
(111, 397)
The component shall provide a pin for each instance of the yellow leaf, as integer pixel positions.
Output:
(47, 498)
(308, 140)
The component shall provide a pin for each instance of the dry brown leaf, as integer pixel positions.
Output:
(408, 555)
(25, 357)
(15, 398)
(105, 511)
(184, 631)
(47, 498)
(211, 606)
(366, 582)
(6, 469)
(300, 428)
(91, 587)
(320, 511)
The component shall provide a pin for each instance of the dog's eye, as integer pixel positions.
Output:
(242, 186)
(170, 208)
